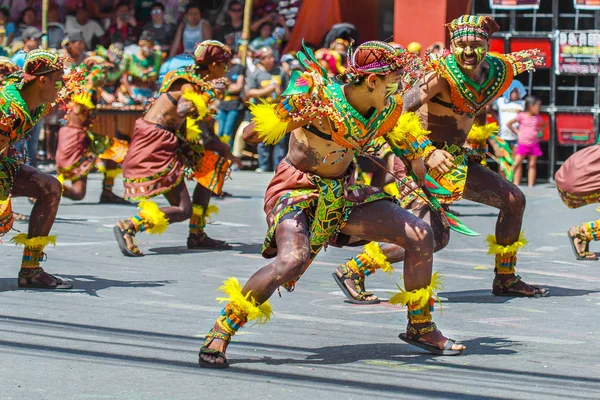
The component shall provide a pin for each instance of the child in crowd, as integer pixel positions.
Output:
(528, 144)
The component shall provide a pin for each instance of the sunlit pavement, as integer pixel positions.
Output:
(132, 327)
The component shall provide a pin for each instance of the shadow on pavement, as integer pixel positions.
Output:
(158, 251)
(84, 284)
(486, 296)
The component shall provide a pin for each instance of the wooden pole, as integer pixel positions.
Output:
(45, 24)
(243, 51)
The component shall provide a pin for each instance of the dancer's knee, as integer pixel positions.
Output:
(289, 266)
(51, 188)
(515, 204)
(420, 237)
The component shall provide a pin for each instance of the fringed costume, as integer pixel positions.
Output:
(326, 202)
(16, 121)
(578, 185)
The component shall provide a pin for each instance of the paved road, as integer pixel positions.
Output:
(132, 327)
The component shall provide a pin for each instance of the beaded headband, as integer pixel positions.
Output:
(381, 58)
(7, 66)
(211, 51)
(472, 25)
(40, 62)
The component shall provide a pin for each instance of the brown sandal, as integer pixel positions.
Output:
(120, 231)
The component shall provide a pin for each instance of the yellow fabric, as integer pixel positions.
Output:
(271, 129)
(231, 287)
(479, 134)
(156, 219)
(33, 243)
(496, 248)
(85, 99)
(377, 258)
(419, 296)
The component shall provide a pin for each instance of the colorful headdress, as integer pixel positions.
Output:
(117, 49)
(381, 58)
(7, 67)
(472, 25)
(211, 51)
(40, 62)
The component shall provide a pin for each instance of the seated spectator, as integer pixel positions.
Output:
(26, 20)
(270, 37)
(32, 37)
(74, 48)
(123, 26)
(56, 30)
(143, 10)
(163, 31)
(9, 27)
(266, 84)
(191, 31)
(231, 32)
(140, 70)
(91, 29)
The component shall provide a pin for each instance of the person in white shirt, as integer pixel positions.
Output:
(89, 28)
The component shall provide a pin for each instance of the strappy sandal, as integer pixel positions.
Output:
(120, 236)
(417, 334)
(585, 255)
(194, 243)
(60, 284)
(500, 288)
(204, 350)
(359, 280)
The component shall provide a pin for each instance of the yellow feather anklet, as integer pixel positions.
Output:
(419, 298)
(244, 303)
(496, 248)
(38, 242)
(156, 219)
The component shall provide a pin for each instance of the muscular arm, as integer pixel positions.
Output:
(250, 134)
(185, 108)
(428, 87)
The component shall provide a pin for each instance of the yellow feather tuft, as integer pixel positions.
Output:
(199, 103)
(271, 129)
(479, 134)
(85, 99)
(377, 258)
(35, 242)
(211, 210)
(112, 173)
(408, 127)
(150, 212)
(231, 287)
(192, 130)
(419, 296)
(61, 179)
(392, 190)
(101, 168)
(496, 248)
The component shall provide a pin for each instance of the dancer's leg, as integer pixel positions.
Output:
(198, 239)
(110, 170)
(486, 187)
(77, 190)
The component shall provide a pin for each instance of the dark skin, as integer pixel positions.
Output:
(30, 182)
(80, 116)
(165, 113)
(381, 220)
(483, 186)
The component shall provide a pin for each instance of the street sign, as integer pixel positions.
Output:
(577, 52)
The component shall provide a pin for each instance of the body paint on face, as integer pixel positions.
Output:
(58, 85)
(461, 52)
(391, 89)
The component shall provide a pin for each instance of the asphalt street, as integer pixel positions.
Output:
(132, 327)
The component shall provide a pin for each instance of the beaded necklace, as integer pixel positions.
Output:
(468, 97)
(355, 132)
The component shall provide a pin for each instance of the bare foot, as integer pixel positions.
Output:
(351, 286)
(435, 338)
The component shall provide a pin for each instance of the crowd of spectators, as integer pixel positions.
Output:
(145, 39)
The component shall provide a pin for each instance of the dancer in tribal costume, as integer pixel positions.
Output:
(452, 100)
(158, 154)
(313, 201)
(578, 184)
(24, 100)
(113, 56)
(140, 70)
(79, 149)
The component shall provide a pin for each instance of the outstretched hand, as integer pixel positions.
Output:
(419, 170)
(440, 161)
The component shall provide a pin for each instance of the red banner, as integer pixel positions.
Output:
(575, 129)
(544, 45)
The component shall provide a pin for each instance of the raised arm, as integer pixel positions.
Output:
(429, 86)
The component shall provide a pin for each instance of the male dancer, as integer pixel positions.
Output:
(153, 165)
(140, 70)
(578, 185)
(79, 149)
(312, 201)
(23, 102)
(451, 101)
